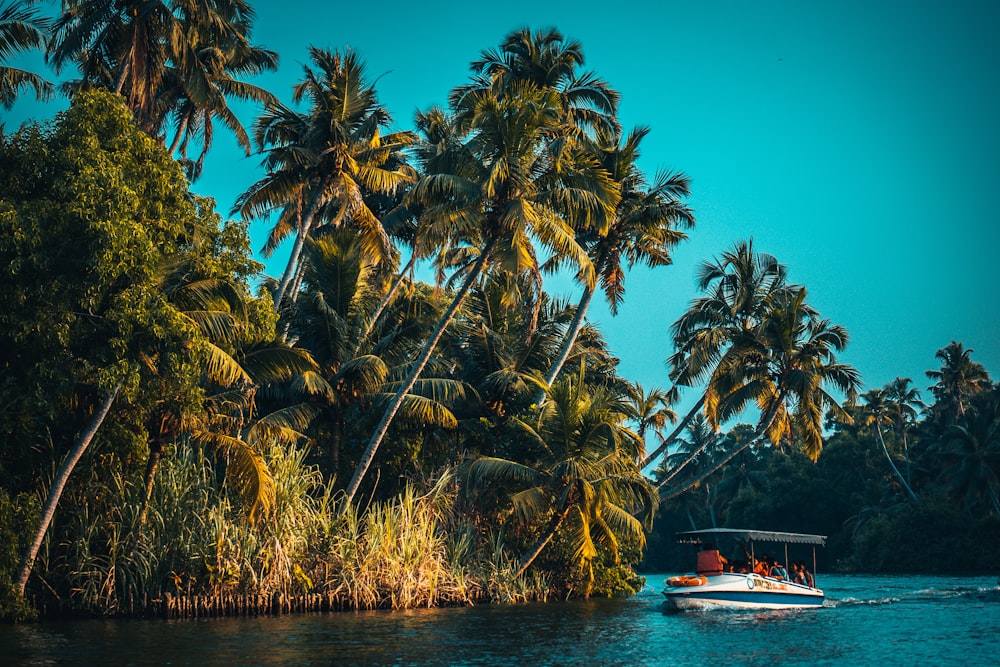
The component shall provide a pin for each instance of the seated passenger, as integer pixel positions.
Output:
(778, 571)
(798, 574)
(710, 562)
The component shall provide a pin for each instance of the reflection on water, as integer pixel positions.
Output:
(866, 620)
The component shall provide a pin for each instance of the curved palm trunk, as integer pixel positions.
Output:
(543, 541)
(576, 326)
(670, 439)
(305, 227)
(691, 457)
(759, 433)
(376, 440)
(386, 300)
(878, 430)
(58, 484)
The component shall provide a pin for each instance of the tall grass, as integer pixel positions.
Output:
(417, 550)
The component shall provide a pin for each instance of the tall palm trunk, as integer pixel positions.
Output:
(572, 333)
(386, 300)
(543, 541)
(885, 450)
(58, 484)
(758, 434)
(691, 457)
(670, 439)
(305, 227)
(376, 440)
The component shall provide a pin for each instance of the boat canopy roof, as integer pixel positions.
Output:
(745, 535)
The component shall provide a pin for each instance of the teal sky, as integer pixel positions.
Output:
(857, 141)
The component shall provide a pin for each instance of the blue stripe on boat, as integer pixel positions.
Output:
(750, 596)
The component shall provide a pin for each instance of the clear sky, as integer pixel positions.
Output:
(857, 141)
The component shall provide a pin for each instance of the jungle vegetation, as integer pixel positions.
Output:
(176, 422)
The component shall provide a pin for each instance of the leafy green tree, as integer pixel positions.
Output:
(91, 212)
(21, 29)
(970, 454)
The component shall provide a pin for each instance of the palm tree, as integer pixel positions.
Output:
(902, 402)
(740, 288)
(586, 479)
(123, 46)
(322, 162)
(784, 367)
(958, 379)
(548, 61)
(647, 224)
(169, 59)
(497, 190)
(194, 92)
(356, 368)
(877, 412)
(21, 29)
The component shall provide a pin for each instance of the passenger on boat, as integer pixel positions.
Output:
(760, 566)
(710, 561)
(798, 572)
(810, 581)
(778, 571)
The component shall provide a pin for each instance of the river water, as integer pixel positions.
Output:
(899, 620)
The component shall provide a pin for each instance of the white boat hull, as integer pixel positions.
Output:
(743, 591)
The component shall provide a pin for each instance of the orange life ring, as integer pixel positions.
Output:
(686, 580)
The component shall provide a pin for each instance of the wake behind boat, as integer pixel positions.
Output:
(719, 582)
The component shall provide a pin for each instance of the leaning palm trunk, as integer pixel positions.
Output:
(878, 430)
(386, 300)
(376, 440)
(58, 484)
(305, 227)
(670, 439)
(575, 327)
(759, 433)
(691, 457)
(543, 541)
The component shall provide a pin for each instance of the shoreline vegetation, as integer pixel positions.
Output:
(186, 436)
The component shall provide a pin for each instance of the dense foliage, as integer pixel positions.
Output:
(176, 424)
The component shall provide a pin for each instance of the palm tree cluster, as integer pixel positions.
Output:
(347, 379)
(900, 486)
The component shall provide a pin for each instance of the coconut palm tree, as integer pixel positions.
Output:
(877, 412)
(321, 163)
(21, 29)
(355, 374)
(958, 379)
(549, 61)
(740, 288)
(784, 366)
(196, 92)
(903, 402)
(173, 61)
(498, 190)
(586, 479)
(646, 225)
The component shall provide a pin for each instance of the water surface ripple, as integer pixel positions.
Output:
(902, 620)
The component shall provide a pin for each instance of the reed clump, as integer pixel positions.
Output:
(195, 552)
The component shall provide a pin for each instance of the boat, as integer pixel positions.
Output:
(715, 585)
